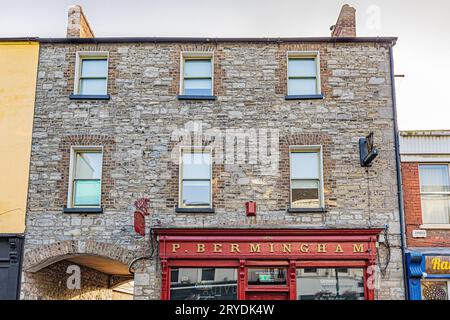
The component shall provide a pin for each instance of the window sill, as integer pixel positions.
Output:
(441, 226)
(83, 210)
(304, 97)
(194, 210)
(306, 210)
(89, 97)
(185, 97)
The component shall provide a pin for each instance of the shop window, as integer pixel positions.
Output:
(434, 290)
(266, 276)
(303, 74)
(330, 284)
(435, 193)
(306, 177)
(91, 73)
(197, 74)
(85, 177)
(195, 178)
(204, 284)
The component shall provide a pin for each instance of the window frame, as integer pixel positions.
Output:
(197, 55)
(89, 55)
(307, 149)
(196, 149)
(432, 225)
(304, 55)
(74, 150)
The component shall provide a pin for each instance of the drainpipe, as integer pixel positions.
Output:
(399, 175)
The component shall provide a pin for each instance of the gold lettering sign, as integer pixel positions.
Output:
(200, 247)
(175, 247)
(437, 264)
(234, 247)
(287, 247)
(358, 247)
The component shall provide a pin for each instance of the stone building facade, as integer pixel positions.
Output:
(142, 122)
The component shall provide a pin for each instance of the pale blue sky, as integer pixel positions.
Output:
(423, 27)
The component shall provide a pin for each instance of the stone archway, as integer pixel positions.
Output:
(101, 268)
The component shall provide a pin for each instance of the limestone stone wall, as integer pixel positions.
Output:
(143, 116)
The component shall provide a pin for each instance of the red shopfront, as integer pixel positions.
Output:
(264, 264)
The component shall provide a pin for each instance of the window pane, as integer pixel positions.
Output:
(305, 194)
(88, 165)
(94, 68)
(92, 86)
(196, 165)
(304, 165)
(434, 178)
(328, 284)
(197, 68)
(264, 276)
(302, 67)
(302, 86)
(86, 193)
(196, 193)
(188, 285)
(208, 274)
(197, 87)
(434, 290)
(435, 208)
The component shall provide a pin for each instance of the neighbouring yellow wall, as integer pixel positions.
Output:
(18, 71)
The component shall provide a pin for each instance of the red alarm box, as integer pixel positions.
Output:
(139, 223)
(250, 209)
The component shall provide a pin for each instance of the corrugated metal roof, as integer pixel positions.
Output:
(425, 142)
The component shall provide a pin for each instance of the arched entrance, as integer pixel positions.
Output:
(87, 270)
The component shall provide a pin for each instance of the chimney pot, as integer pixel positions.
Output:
(346, 23)
(77, 24)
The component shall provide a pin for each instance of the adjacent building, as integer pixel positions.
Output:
(18, 70)
(425, 157)
(241, 155)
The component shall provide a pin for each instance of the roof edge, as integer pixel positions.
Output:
(389, 40)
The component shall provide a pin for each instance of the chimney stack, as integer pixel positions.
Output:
(346, 23)
(77, 24)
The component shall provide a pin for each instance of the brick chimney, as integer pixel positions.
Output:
(77, 24)
(346, 23)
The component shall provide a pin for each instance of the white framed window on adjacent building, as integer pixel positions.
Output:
(85, 177)
(197, 74)
(303, 73)
(195, 178)
(435, 193)
(306, 178)
(91, 74)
